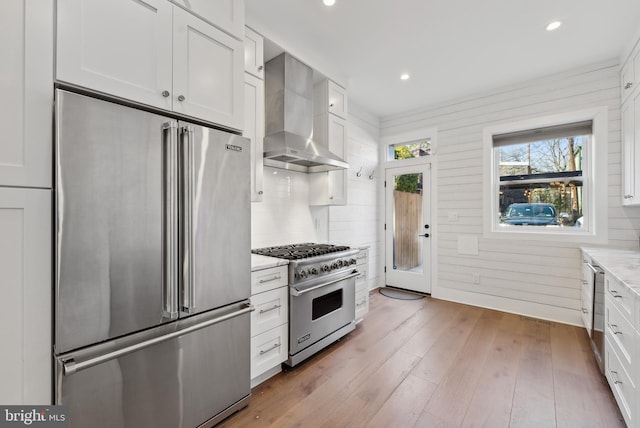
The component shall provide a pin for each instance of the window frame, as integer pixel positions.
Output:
(594, 175)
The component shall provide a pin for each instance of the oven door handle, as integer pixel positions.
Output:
(295, 292)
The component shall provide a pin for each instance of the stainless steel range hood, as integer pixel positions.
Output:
(289, 119)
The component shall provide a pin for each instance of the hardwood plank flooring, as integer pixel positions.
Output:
(432, 363)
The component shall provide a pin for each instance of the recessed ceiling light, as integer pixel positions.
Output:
(329, 2)
(553, 25)
(404, 76)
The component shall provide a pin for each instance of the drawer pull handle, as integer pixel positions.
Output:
(628, 85)
(275, 278)
(614, 375)
(585, 310)
(613, 328)
(615, 294)
(275, 346)
(262, 311)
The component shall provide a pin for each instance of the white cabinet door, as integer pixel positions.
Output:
(26, 83)
(208, 72)
(228, 15)
(628, 154)
(253, 53)
(254, 129)
(119, 47)
(25, 320)
(338, 145)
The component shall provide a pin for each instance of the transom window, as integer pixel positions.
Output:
(409, 150)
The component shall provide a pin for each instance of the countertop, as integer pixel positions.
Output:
(259, 262)
(624, 265)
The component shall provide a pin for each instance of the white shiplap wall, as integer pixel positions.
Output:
(529, 277)
(357, 223)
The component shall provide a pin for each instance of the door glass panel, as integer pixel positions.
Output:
(408, 229)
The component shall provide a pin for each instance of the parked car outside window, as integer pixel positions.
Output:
(530, 214)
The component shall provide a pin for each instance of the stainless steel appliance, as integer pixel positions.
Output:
(593, 308)
(321, 295)
(289, 140)
(152, 270)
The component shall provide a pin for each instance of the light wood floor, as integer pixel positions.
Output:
(431, 363)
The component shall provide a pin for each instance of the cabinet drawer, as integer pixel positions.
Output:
(620, 333)
(362, 304)
(620, 382)
(269, 349)
(362, 258)
(622, 296)
(270, 310)
(268, 279)
(361, 280)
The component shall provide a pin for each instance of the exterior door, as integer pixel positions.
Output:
(408, 228)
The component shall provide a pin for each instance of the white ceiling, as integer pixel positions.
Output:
(451, 48)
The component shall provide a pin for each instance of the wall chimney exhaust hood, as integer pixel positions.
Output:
(289, 119)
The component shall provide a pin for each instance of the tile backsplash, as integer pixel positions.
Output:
(284, 215)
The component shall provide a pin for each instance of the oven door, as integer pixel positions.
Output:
(320, 309)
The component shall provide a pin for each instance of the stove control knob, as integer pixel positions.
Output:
(325, 268)
(353, 261)
(334, 265)
(313, 271)
(302, 274)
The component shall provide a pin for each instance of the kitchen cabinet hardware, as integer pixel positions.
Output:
(628, 85)
(614, 376)
(275, 278)
(585, 310)
(166, 93)
(359, 173)
(372, 174)
(260, 192)
(261, 67)
(263, 311)
(181, 98)
(613, 328)
(275, 346)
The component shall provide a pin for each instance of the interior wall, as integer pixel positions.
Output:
(531, 277)
(357, 223)
(284, 216)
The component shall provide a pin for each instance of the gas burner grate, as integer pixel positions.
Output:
(299, 251)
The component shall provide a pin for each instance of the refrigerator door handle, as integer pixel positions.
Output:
(170, 209)
(189, 223)
(71, 366)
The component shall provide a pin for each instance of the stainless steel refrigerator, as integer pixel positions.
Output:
(152, 266)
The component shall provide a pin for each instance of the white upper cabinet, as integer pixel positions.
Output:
(629, 79)
(254, 130)
(26, 81)
(253, 53)
(330, 130)
(154, 53)
(228, 15)
(330, 97)
(119, 47)
(207, 72)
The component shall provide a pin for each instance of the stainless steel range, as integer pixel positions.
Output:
(321, 295)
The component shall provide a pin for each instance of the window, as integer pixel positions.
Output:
(409, 150)
(547, 175)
